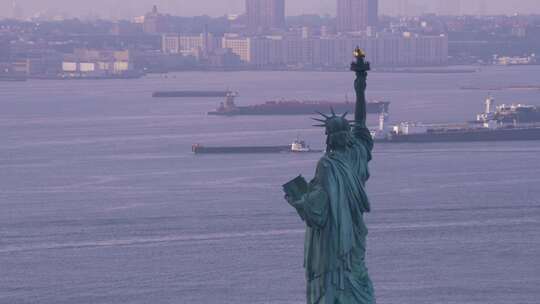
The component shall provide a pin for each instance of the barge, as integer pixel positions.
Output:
(297, 146)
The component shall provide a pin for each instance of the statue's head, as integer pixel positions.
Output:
(338, 131)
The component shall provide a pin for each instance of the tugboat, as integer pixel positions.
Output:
(300, 146)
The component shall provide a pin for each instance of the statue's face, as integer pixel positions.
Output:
(337, 141)
(337, 124)
(337, 132)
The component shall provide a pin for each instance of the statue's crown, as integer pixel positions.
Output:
(334, 123)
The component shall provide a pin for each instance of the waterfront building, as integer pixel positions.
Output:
(239, 45)
(356, 15)
(190, 45)
(335, 51)
(97, 63)
(267, 51)
(224, 58)
(264, 15)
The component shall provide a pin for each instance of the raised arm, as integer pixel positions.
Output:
(360, 112)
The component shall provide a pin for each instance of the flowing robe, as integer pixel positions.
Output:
(335, 241)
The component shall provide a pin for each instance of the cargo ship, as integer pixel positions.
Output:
(514, 113)
(196, 94)
(412, 133)
(294, 107)
(297, 146)
(281, 107)
(499, 125)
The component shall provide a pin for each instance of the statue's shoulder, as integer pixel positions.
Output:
(363, 147)
(325, 161)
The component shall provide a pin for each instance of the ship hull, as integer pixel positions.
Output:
(299, 109)
(241, 150)
(181, 94)
(13, 78)
(467, 136)
(248, 150)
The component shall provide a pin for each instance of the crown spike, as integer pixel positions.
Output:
(319, 120)
(345, 114)
(324, 126)
(333, 112)
(323, 115)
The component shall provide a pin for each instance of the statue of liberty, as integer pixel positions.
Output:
(333, 205)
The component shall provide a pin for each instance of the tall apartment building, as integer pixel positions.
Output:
(357, 15)
(196, 45)
(265, 14)
(383, 51)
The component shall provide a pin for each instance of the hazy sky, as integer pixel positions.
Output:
(128, 8)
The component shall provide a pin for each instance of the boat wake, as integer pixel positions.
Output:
(218, 237)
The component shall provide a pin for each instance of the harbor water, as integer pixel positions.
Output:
(102, 201)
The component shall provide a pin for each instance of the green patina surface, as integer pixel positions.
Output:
(334, 205)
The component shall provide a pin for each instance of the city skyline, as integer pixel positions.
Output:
(265, 14)
(119, 9)
(356, 15)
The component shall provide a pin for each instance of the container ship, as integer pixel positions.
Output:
(298, 146)
(293, 107)
(411, 133)
(281, 107)
(506, 123)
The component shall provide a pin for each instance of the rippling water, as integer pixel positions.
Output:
(102, 202)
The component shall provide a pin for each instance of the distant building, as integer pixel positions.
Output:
(269, 51)
(122, 28)
(357, 15)
(194, 45)
(5, 50)
(97, 63)
(520, 32)
(21, 66)
(238, 45)
(224, 58)
(48, 64)
(263, 15)
(335, 51)
(154, 22)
